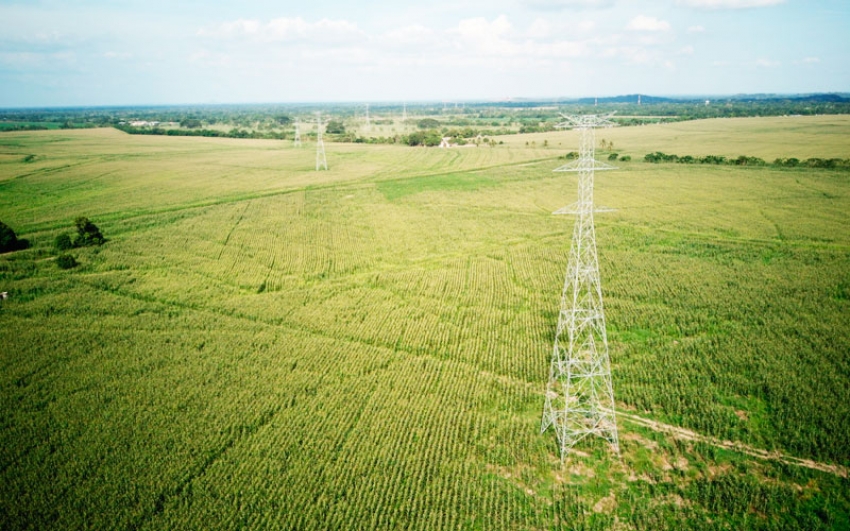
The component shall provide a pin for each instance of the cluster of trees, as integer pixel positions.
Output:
(745, 160)
(430, 138)
(540, 127)
(87, 234)
(233, 133)
(335, 127)
(813, 162)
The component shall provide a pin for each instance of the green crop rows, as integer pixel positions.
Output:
(262, 346)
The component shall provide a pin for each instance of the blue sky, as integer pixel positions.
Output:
(91, 52)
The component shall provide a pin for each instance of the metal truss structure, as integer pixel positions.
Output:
(368, 125)
(580, 396)
(297, 141)
(321, 160)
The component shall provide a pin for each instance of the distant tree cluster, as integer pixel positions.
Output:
(233, 133)
(430, 138)
(23, 127)
(536, 128)
(87, 234)
(428, 123)
(335, 127)
(744, 160)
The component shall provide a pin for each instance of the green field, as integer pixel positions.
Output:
(263, 346)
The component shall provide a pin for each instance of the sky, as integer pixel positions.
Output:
(160, 52)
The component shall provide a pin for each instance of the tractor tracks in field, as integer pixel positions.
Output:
(233, 228)
(689, 435)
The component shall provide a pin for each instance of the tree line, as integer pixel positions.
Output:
(744, 160)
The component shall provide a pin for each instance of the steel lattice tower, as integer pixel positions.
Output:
(579, 395)
(297, 141)
(321, 161)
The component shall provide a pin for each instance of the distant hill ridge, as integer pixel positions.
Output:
(649, 99)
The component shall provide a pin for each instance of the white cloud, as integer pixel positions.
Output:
(767, 63)
(331, 32)
(696, 29)
(540, 29)
(644, 23)
(560, 49)
(415, 35)
(559, 5)
(687, 50)
(730, 4)
(485, 37)
(811, 60)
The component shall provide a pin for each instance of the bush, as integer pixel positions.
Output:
(613, 156)
(63, 242)
(626, 158)
(87, 233)
(66, 261)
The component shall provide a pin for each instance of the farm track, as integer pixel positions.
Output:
(689, 435)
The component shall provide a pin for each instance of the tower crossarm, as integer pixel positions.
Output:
(587, 121)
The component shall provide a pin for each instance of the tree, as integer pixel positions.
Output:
(87, 233)
(428, 123)
(9, 240)
(335, 127)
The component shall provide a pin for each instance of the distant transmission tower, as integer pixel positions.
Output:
(368, 123)
(321, 161)
(297, 141)
(579, 395)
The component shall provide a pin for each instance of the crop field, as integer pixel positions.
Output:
(259, 345)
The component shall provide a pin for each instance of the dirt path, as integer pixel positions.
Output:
(688, 435)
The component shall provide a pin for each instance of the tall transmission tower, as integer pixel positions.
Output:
(320, 144)
(297, 141)
(368, 123)
(580, 396)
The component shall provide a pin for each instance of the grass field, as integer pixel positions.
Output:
(260, 345)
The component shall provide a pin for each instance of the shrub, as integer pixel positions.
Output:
(613, 156)
(87, 233)
(626, 158)
(63, 242)
(9, 240)
(66, 261)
